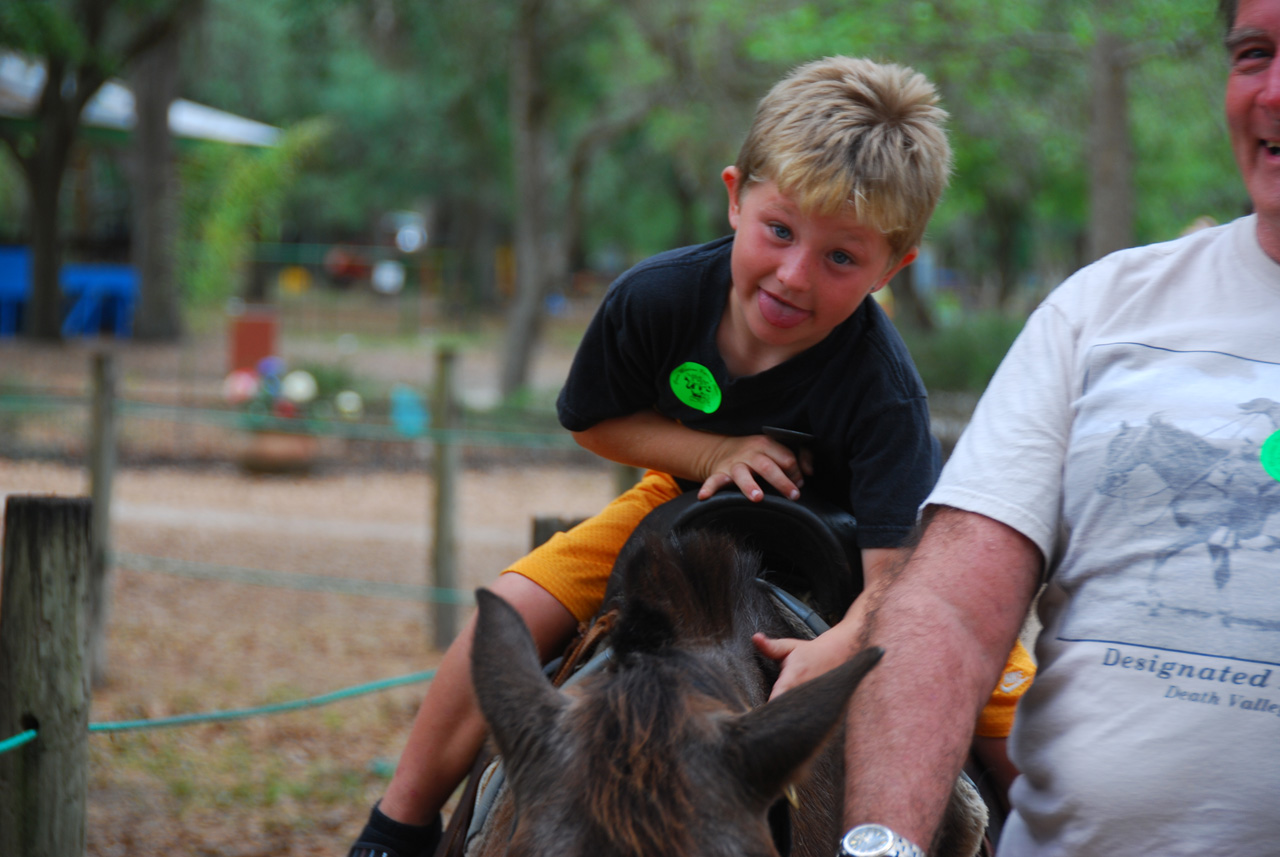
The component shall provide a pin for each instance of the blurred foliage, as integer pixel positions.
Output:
(1015, 79)
(963, 356)
(415, 114)
(417, 100)
(96, 35)
(417, 93)
(233, 197)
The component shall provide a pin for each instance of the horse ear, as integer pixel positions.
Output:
(770, 744)
(518, 702)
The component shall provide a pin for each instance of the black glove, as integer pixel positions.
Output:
(384, 837)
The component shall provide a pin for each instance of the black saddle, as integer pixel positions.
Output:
(808, 545)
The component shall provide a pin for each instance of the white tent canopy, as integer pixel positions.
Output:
(113, 107)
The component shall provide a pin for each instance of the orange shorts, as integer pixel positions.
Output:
(574, 567)
(996, 718)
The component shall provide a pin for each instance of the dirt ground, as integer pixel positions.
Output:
(298, 783)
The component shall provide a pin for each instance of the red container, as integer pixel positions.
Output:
(253, 337)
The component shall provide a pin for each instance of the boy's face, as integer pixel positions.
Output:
(796, 276)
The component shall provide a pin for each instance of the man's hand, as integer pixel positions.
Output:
(739, 460)
(802, 660)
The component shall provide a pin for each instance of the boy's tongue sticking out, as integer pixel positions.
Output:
(778, 312)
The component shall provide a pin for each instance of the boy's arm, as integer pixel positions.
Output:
(648, 439)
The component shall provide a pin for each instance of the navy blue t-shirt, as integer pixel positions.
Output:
(857, 391)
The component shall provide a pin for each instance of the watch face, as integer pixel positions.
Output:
(868, 840)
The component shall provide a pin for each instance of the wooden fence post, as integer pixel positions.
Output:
(545, 527)
(44, 680)
(102, 465)
(625, 477)
(444, 416)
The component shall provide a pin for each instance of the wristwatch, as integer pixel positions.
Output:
(876, 840)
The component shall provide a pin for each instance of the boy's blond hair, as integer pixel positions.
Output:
(851, 134)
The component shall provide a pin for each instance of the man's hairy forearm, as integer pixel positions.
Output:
(946, 620)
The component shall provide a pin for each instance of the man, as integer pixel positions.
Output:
(1127, 456)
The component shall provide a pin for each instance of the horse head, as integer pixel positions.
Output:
(672, 749)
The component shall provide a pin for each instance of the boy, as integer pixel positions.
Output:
(694, 351)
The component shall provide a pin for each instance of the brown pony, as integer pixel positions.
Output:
(671, 749)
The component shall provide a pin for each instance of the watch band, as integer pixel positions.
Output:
(876, 840)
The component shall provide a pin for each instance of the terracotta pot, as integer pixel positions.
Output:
(265, 451)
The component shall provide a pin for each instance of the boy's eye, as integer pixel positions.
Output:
(781, 231)
(841, 258)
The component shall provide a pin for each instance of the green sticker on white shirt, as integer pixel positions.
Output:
(1270, 455)
(694, 385)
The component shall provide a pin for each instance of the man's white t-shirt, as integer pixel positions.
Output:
(1133, 433)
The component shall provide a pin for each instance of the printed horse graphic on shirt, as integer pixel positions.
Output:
(1218, 495)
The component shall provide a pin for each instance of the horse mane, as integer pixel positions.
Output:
(681, 631)
(685, 588)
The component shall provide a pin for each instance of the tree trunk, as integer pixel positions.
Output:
(57, 120)
(1007, 218)
(548, 236)
(1111, 202)
(155, 185)
(68, 86)
(912, 311)
(477, 240)
(685, 192)
(44, 173)
(533, 253)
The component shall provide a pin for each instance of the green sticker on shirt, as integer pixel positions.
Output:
(1270, 455)
(694, 385)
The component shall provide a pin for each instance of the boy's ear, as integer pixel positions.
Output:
(731, 178)
(907, 259)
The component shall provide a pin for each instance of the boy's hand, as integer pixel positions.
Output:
(802, 660)
(739, 460)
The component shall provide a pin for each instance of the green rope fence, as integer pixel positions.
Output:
(237, 714)
(261, 577)
(17, 740)
(275, 708)
(37, 403)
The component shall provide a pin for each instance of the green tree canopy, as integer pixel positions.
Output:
(626, 111)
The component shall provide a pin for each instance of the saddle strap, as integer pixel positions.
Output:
(582, 648)
(454, 841)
